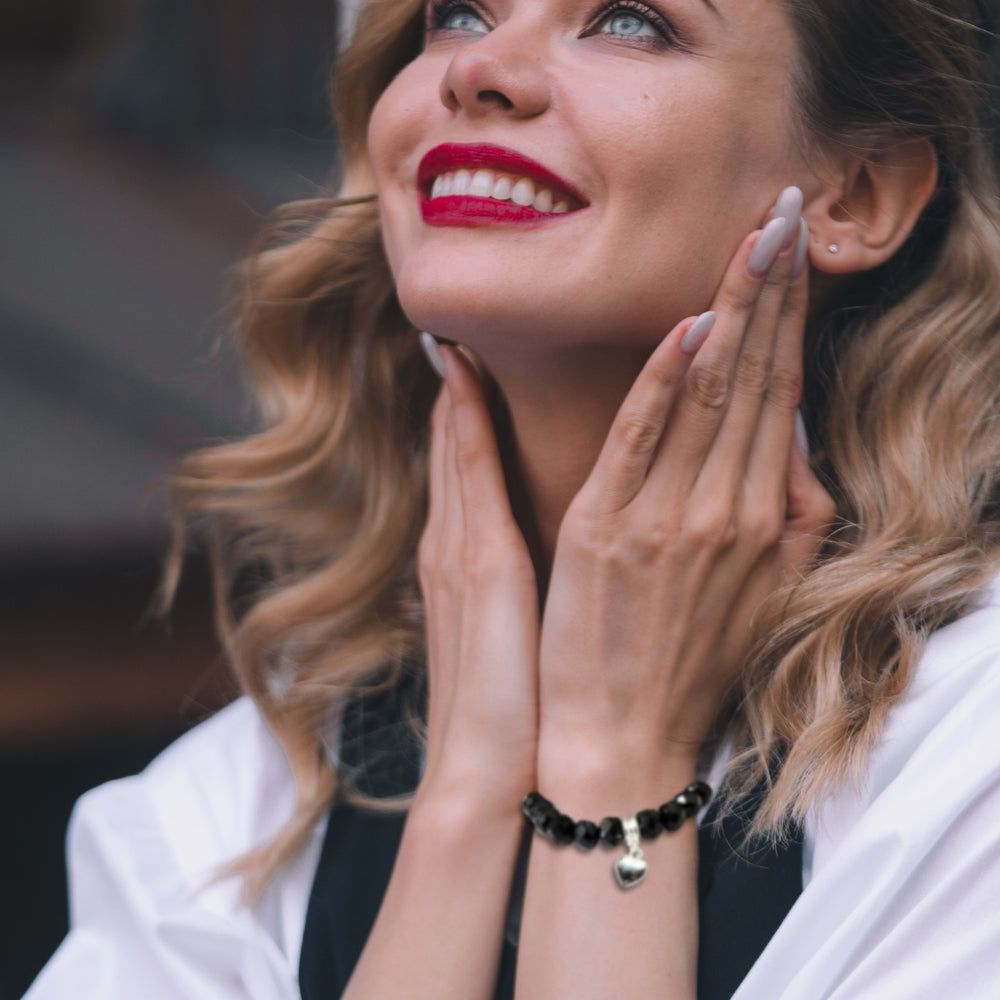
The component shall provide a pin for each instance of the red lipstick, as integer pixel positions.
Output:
(472, 210)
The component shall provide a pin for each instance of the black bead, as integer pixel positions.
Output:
(543, 817)
(688, 802)
(671, 815)
(611, 831)
(531, 800)
(650, 826)
(562, 829)
(586, 833)
(702, 789)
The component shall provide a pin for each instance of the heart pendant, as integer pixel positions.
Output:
(630, 870)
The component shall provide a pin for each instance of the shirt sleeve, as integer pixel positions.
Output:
(141, 925)
(905, 904)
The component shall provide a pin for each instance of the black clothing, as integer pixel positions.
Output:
(742, 901)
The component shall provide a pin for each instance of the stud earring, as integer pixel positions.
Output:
(834, 248)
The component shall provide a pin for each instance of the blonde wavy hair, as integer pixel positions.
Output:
(312, 523)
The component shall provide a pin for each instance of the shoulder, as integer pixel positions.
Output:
(141, 850)
(906, 868)
(941, 731)
(205, 794)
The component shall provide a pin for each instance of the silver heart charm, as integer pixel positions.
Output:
(630, 870)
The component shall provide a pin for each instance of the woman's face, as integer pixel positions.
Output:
(673, 119)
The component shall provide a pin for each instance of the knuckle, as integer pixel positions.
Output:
(665, 374)
(739, 298)
(469, 454)
(711, 527)
(753, 374)
(765, 526)
(784, 388)
(708, 386)
(639, 433)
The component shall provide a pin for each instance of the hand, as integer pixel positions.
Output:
(699, 507)
(481, 600)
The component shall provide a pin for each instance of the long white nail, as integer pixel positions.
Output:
(429, 344)
(802, 250)
(800, 434)
(698, 333)
(768, 246)
(789, 207)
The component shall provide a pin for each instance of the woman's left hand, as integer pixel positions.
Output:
(699, 507)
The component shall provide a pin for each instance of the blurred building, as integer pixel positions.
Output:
(142, 144)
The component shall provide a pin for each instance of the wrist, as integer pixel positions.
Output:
(441, 806)
(593, 786)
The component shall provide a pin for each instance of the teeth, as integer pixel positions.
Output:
(543, 200)
(500, 187)
(501, 190)
(523, 192)
(482, 184)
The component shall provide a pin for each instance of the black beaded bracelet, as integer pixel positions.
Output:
(648, 824)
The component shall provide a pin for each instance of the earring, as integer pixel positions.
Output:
(834, 248)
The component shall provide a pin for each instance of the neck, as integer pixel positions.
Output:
(552, 417)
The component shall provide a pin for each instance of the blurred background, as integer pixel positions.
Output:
(142, 144)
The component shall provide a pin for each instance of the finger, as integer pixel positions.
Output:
(435, 463)
(483, 488)
(432, 549)
(708, 383)
(767, 377)
(767, 467)
(620, 470)
(811, 513)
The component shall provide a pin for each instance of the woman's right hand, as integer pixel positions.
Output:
(481, 602)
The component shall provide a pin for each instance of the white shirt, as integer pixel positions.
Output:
(901, 893)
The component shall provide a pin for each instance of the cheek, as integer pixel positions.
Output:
(401, 117)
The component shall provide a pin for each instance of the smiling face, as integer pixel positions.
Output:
(673, 120)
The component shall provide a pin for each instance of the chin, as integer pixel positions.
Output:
(463, 308)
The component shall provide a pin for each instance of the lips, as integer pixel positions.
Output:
(453, 156)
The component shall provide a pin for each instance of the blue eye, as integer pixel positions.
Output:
(629, 19)
(630, 26)
(453, 17)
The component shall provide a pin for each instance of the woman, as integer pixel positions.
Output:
(597, 556)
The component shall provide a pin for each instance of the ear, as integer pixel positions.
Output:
(869, 206)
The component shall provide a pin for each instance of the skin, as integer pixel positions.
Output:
(607, 513)
(678, 166)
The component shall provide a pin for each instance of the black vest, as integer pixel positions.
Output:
(742, 900)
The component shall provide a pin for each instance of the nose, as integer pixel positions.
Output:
(502, 71)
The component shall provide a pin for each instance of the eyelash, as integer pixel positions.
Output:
(438, 12)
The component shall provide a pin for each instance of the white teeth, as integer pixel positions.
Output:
(523, 192)
(543, 201)
(482, 184)
(500, 187)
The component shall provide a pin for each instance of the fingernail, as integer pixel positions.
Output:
(789, 207)
(767, 248)
(802, 250)
(698, 333)
(434, 356)
(800, 434)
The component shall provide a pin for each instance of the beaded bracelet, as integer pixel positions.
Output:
(630, 869)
